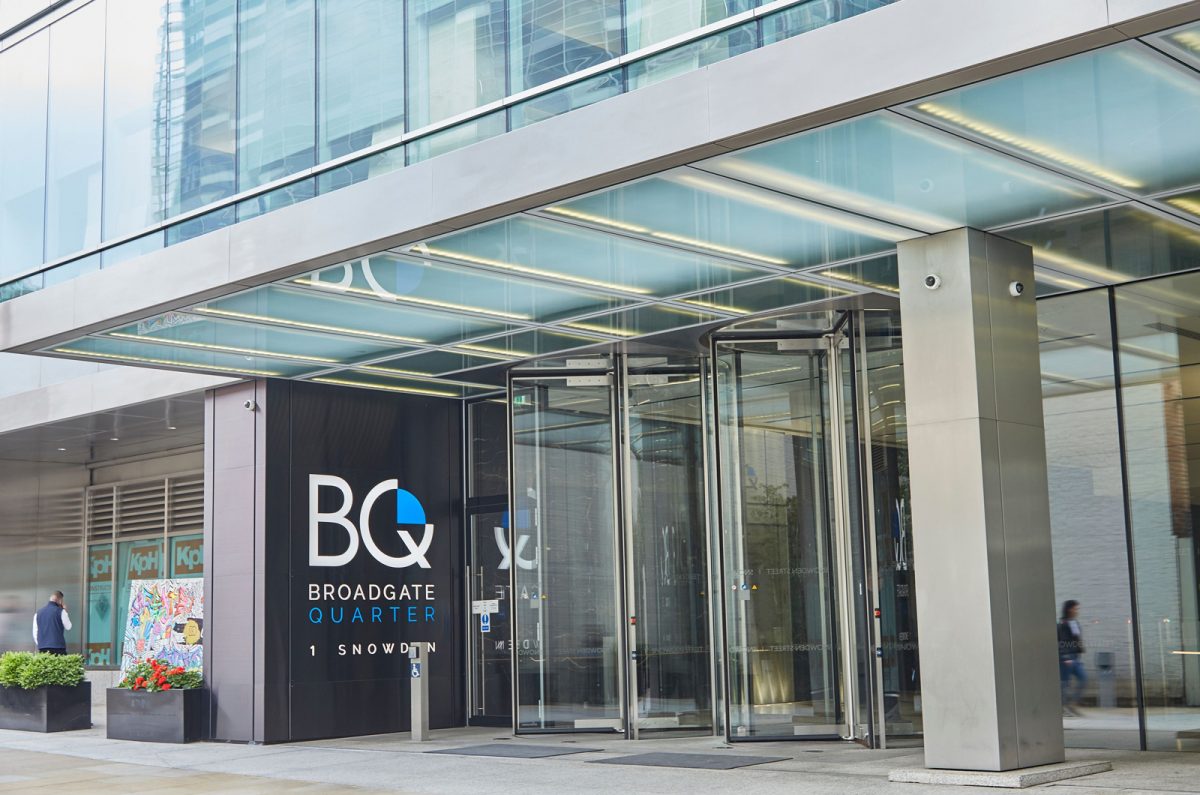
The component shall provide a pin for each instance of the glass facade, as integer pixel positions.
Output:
(123, 115)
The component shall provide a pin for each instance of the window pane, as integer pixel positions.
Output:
(202, 104)
(23, 153)
(361, 74)
(187, 556)
(576, 95)
(553, 38)
(488, 467)
(812, 15)
(76, 121)
(134, 144)
(136, 560)
(277, 89)
(1087, 519)
(99, 642)
(652, 21)
(689, 57)
(456, 57)
(1158, 333)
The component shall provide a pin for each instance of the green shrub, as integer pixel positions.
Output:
(11, 665)
(51, 669)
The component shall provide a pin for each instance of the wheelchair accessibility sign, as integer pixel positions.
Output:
(414, 670)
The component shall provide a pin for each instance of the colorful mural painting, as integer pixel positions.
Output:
(165, 622)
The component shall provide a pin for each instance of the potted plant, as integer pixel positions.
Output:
(44, 692)
(156, 702)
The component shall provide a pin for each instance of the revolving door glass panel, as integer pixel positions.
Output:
(565, 601)
(667, 584)
(783, 651)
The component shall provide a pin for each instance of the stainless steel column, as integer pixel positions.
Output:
(981, 517)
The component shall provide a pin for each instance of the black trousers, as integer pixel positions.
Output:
(52, 651)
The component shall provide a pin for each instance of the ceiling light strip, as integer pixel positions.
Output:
(1027, 145)
(386, 387)
(118, 357)
(305, 325)
(208, 346)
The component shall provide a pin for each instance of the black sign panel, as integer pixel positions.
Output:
(375, 557)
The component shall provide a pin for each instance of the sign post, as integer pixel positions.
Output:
(418, 692)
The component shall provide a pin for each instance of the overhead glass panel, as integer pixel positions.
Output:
(23, 70)
(1188, 201)
(328, 312)
(502, 350)
(880, 275)
(695, 209)
(390, 382)
(1110, 246)
(889, 167)
(1122, 116)
(578, 257)
(75, 125)
(767, 295)
(276, 89)
(474, 292)
(550, 39)
(120, 351)
(649, 319)
(1181, 42)
(207, 333)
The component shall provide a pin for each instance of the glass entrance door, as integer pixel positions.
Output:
(491, 660)
(816, 551)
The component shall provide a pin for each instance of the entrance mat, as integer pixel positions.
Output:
(514, 750)
(698, 761)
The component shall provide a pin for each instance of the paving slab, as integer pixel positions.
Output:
(1005, 779)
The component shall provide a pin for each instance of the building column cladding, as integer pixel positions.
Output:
(981, 516)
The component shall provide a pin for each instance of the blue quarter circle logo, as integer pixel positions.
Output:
(408, 508)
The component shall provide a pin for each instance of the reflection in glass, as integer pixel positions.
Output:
(75, 132)
(360, 74)
(1159, 343)
(689, 57)
(651, 21)
(491, 658)
(1087, 515)
(812, 15)
(202, 107)
(455, 57)
(565, 605)
(276, 89)
(136, 72)
(576, 95)
(23, 70)
(554, 38)
(456, 137)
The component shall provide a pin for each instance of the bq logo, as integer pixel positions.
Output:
(408, 512)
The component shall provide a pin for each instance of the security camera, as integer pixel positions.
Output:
(933, 281)
(250, 405)
(1015, 289)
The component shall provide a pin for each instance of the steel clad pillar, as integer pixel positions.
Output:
(980, 505)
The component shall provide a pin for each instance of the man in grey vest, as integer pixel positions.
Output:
(50, 625)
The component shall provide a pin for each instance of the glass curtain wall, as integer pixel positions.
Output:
(23, 76)
(1087, 518)
(1158, 338)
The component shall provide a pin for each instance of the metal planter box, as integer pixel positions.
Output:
(170, 716)
(53, 708)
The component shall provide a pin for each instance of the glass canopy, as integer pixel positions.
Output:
(1091, 160)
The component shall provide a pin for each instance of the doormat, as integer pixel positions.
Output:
(513, 750)
(698, 761)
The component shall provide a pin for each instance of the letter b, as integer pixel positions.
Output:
(316, 518)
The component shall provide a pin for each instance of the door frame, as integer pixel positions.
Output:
(845, 333)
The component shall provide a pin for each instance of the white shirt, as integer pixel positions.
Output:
(66, 619)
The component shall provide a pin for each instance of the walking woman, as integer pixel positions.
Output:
(1070, 658)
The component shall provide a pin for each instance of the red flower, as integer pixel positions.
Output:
(166, 686)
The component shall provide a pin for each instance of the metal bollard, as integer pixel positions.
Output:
(418, 692)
